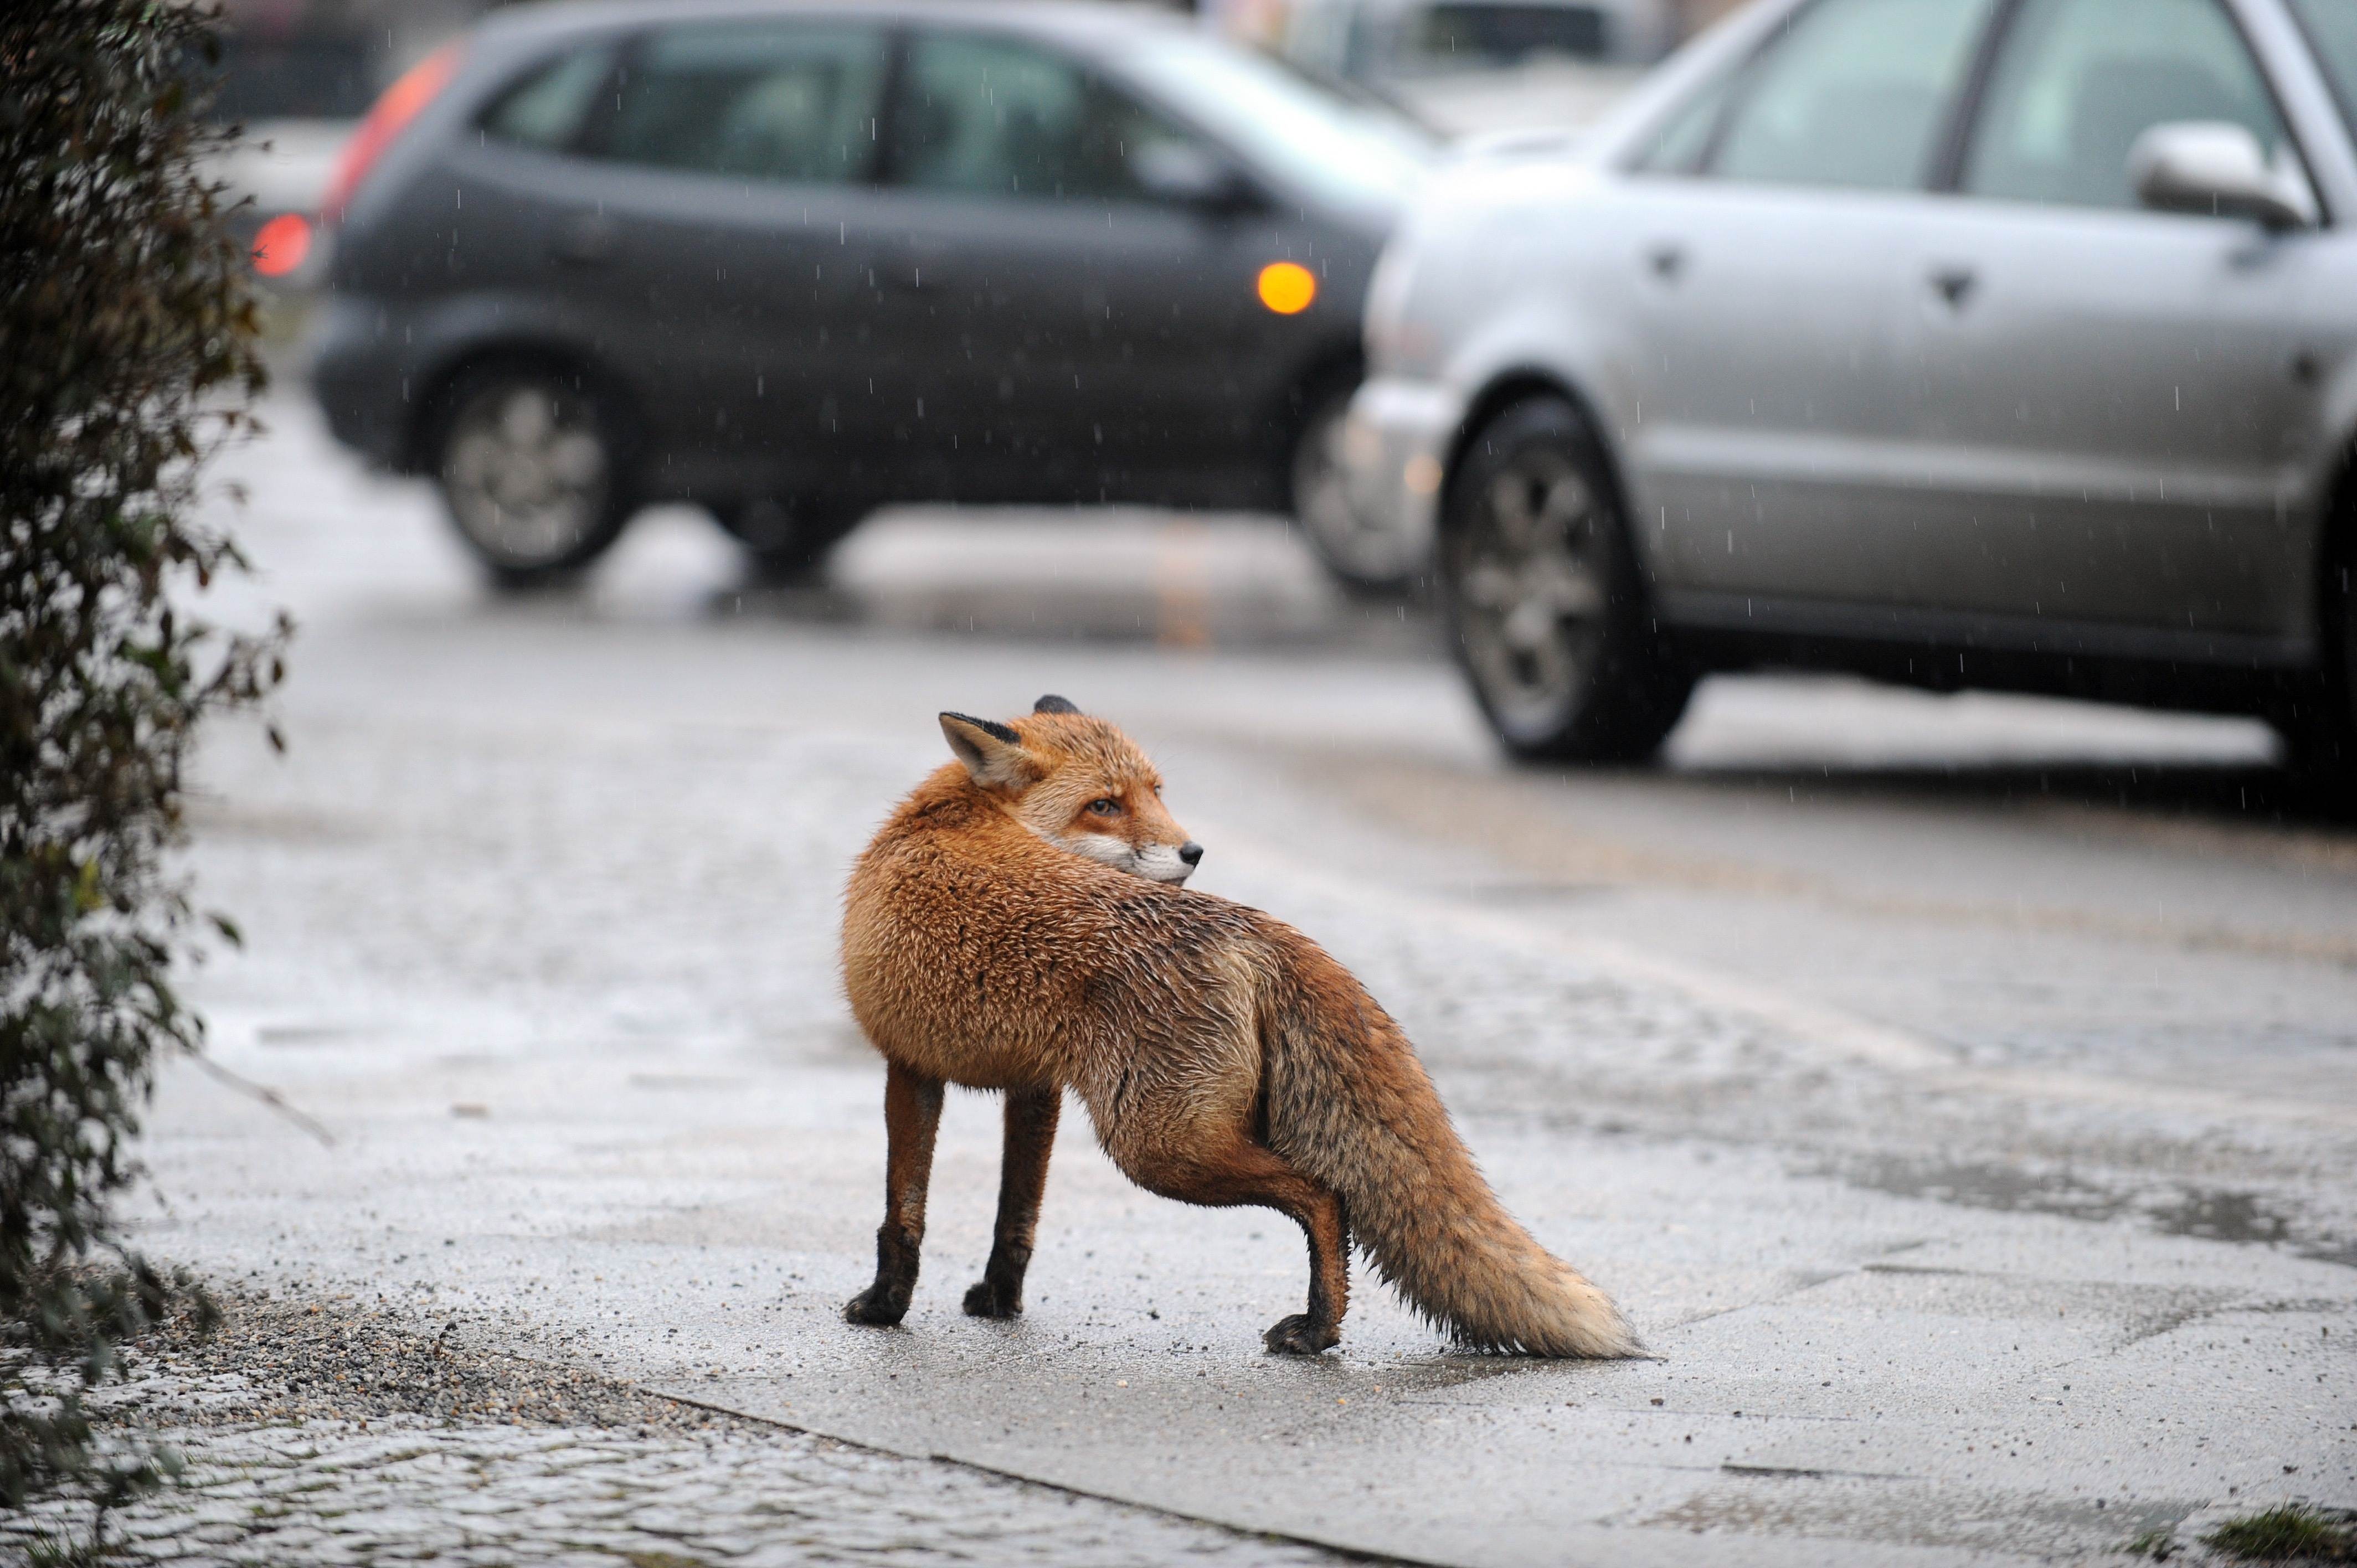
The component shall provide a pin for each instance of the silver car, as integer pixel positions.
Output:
(2005, 343)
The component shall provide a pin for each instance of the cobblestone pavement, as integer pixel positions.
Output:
(322, 1436)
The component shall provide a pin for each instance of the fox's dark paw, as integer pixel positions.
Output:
(877, 1307)
(1301, 1334)
(989, 1300)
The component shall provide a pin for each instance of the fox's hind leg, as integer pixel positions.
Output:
(912, 1115)
(1328, 1225)
(1031, 1115)
(1245, 1171)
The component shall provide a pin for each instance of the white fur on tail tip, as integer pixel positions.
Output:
(1592, 1324)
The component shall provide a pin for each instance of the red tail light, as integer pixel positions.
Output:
(391, 114)
(281, 244)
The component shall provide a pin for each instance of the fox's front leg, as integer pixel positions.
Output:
(1023, 1177)
(912, 1115)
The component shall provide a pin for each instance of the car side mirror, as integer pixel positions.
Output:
(1185, 175)
(2217, 168)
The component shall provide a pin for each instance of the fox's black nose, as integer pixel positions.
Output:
(1191, 851)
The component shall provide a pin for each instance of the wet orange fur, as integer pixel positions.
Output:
(1222, 1057)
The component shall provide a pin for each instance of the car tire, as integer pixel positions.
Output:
(2321, 734)
(788, 539)
(1543, 598)
(533, 467)
(1362, 559)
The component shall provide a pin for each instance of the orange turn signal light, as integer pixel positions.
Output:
(281, 244)
(1288, 287)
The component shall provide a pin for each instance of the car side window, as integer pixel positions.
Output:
(755, 101)
(547, 107)
(1001, 117)
(1854, 94)
(2079, 80)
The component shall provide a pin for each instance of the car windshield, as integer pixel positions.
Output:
(1354, 152)
(2332, 27)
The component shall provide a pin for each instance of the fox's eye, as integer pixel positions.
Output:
(1104, 805)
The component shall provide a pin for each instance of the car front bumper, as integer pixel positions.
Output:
(1395, 457)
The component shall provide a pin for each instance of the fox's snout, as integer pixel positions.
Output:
(1154, 862)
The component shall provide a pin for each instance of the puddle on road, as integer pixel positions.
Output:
(2209, 1214)
(2237, 1217)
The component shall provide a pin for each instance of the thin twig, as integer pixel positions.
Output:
(265, 1093)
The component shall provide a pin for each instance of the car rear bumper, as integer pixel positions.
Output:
(363, 381)
(1395, 455)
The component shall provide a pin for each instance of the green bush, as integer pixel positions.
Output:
(126, 334)
(2289, 1532)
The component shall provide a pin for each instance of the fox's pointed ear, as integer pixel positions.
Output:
(992, 753)
(1052, 703)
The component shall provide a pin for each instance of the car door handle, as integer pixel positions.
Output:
(1666, 260)
(586, 240)
(1956, 285)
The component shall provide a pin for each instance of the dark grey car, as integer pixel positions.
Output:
(791, 261)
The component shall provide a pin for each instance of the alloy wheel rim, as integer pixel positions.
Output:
(1530, 589)
(526, 473)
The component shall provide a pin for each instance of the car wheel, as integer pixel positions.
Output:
(531, 470)
(1541, 595)
(2322, 736)
(788, 539)
(1371, 560)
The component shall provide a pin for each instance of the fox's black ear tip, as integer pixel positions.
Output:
(1052, 703)
(990, 727)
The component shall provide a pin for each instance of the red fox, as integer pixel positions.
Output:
(1020, 924)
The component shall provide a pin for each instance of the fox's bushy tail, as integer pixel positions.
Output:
(1350, 1104)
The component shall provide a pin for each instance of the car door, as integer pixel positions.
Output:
(710, 230)
(1044, 329)
(1762, 240)
(2108, 400)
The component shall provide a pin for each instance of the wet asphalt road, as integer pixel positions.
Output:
(1959, 1094)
